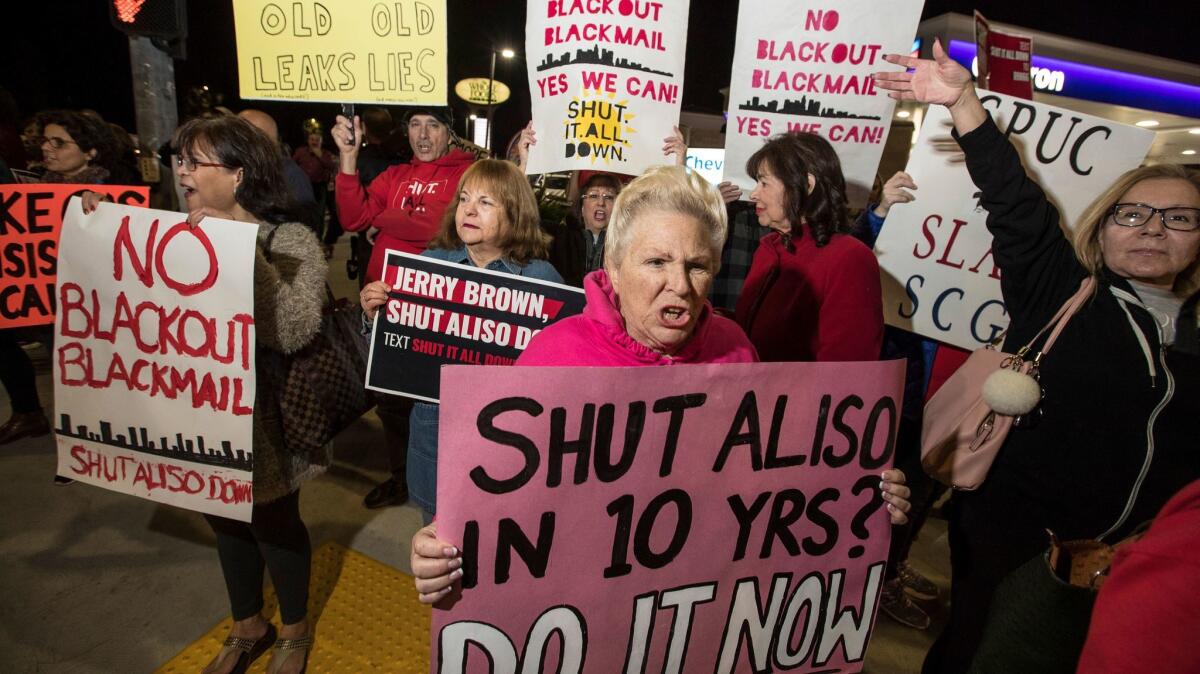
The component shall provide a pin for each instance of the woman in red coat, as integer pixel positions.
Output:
(813, 290)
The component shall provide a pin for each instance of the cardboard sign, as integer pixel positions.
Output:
(349, 51)
(441, 313)
(939, 277)
(714, 518)
(30, 219)
(808, 67)
(606, 79)
(1003, 60)
(154, 357)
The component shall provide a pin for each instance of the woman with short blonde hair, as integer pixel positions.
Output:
(672, 189)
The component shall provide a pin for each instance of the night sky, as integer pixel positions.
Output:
(67, 54)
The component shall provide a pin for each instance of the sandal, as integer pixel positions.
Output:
(248, 650)
(284, 649)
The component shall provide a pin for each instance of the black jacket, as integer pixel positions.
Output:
(1119, 427)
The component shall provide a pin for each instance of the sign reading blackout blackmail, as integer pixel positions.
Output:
(441, 313)
(154, 379)
(697, 518)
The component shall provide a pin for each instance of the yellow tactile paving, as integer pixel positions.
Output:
(367, 619)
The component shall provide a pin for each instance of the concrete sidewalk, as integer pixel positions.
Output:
(97, 582)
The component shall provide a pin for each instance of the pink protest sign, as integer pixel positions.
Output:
(721, 518)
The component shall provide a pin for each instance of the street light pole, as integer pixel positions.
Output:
(506, 53)
(491, 80)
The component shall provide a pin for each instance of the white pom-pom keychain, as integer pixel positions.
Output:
(1011, 392)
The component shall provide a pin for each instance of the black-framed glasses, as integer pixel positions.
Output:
(600, 197)
(55, 142)
(1179, 218)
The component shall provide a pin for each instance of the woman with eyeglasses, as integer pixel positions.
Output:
(229, 169)
(578, 247)
(76, 149)
(1115, 434)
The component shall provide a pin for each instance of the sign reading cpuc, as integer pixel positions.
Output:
(359, 51)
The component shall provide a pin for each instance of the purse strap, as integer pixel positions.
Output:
(1064, 314)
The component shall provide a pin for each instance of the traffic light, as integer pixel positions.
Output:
(165, 19)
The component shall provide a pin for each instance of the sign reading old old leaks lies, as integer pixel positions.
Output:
(356, 51)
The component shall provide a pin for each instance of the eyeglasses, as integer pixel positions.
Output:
(1179, 218)
(600, 197)
(55, 142)
(189, 164)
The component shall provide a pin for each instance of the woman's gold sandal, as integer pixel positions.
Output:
(282, 653)
(248, 650)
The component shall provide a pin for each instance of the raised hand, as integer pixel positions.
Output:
(346, 135)
(527, 139)
(676, 145)
(941, 81)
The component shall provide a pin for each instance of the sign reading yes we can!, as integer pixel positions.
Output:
(606, 80)
(349, 51)
(940, 278)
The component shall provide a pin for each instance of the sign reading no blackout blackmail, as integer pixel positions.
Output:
(807, 67)
(154, 379)
(714, 518)
(351, 51)
(441, 313)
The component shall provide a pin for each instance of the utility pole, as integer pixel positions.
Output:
(155, 107)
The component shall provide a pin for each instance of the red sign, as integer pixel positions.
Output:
(30, 219)
(1003, 60)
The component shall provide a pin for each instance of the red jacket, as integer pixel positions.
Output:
(1147, 615)
(405, 203)
(813, 304)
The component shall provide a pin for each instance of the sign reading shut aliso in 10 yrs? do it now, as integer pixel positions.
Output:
(716, 518)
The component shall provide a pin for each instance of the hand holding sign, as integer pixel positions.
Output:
(675, 145)
(894, 193)
(372, 296)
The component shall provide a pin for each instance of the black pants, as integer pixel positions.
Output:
(276, 539)
(393, 411)
(925, 492)
(17, 374)
(984, 548)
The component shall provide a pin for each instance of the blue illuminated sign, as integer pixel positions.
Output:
(1093, 83)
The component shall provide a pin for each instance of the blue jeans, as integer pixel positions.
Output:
(422, 456)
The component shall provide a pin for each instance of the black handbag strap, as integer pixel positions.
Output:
(267, 243)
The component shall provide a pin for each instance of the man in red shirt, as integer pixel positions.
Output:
(404, 204)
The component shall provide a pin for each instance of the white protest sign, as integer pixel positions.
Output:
(154, 356)
(807, 67)
(606, 79)
(935, 254)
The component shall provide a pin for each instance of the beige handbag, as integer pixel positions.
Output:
(968, 418)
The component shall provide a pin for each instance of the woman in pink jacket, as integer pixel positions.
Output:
(646, 307)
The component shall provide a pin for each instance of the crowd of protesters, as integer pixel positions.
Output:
(678, 271)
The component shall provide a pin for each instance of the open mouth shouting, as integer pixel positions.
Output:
(675, 317)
